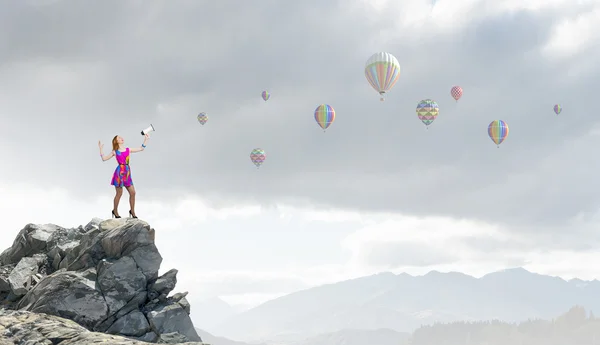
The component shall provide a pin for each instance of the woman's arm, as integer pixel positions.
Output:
(141, 148)
(104, 158)
(107, 157)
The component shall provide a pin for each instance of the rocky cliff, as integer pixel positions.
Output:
(102, 276)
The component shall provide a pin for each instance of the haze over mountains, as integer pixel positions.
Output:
(213, 312)
(388, 302)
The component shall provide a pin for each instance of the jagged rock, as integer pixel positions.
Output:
(149, 337)
(178, 296)
(172, 338)
(163, 285)
(100, 276)
(20, 277)
(56, 258)
(21, 327)
(180, 299)
(119, 281)
(133, 324)
(4, 273)
(4, 284)
(185, 305)
(118, 238)
(33, 239)
(91, 231)
(135, 303)
(172, 318)
(70, 295)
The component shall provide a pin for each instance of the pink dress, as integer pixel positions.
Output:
(122, 175)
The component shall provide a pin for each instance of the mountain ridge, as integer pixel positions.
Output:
(403, 302)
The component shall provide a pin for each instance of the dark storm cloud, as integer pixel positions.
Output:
(111, 67)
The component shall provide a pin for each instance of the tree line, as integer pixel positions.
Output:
(575, 327)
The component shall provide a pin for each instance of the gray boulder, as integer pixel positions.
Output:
(102, 276)
(20, 278)
(22, 327)
(33, 239)
(172, 319)
(70, 295)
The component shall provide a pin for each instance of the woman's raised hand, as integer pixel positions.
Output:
(100, 145)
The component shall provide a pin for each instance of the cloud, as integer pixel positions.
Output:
(573, 35)
(410, 241)
(403, 243)
(99, 80)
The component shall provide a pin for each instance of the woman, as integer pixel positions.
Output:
(122, 176)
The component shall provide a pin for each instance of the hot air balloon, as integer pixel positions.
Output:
(382, 71)
(498, 131)
(456, 92)
(202, 118)
(266, 95)
(324, 115)
(557, 109)
(258, 156)
(427, 110)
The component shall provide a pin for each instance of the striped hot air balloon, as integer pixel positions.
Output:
(382, 71)
(266, 95)
(498, 131)
(324, 115)
(557, 109)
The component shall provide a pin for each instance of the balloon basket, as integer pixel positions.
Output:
(382, 99)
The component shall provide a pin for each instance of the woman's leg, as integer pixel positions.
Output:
(131, 191)
(119, 193)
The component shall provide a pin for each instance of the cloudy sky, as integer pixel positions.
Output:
(376, 192)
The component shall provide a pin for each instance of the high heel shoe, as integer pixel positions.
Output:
(114, 214)
(131, 214)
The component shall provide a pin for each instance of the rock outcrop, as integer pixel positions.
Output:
(23, 327)
(104, 277)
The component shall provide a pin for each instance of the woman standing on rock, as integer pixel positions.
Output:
(122, 175)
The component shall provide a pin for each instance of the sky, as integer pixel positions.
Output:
(376, 192)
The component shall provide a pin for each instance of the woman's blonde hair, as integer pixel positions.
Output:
(115, 143)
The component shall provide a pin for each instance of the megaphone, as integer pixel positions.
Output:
(148, 130)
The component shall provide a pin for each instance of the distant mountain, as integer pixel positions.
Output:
(358, 337)
(403, 303)
(211, 312)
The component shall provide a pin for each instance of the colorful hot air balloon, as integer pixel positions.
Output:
(557, 109)
(258, 156)
(382, 71)
(498, 131)
(427, 110)
(456, 92)
(324, 115)
(202, 118)
(266, 95)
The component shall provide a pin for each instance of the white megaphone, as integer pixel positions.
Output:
(148, 130)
